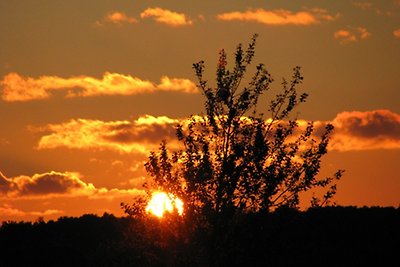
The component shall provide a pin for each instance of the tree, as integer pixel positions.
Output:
(235, 159)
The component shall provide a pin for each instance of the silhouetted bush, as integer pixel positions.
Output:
(241, 155)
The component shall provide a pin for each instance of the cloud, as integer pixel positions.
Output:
(56, 184)
(116, 17)
(378, 129)
(51, 183)
(363, 33)
(358, 131)
(166, 16)
(369, 6)
(363, 5)
(17, 88)
(279, 16)
(345, 36)
(7, 210)
(137, 136)
(177, 85)
(4, 141)
(351, 35)
(396, 33)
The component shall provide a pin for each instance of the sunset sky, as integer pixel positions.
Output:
(88, 88)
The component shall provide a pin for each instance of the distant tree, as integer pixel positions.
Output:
(235, 159)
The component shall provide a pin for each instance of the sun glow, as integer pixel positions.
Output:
(161, 202)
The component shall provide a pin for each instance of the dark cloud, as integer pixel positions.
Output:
(56, 184)
(378, 129)
(51, 183)
(4, 183)
(44, 184)
(150, 133)
(371, 124)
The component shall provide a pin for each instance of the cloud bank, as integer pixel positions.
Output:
(279, 16)
(378, 129)
(15, 87)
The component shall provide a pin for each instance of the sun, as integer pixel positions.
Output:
(161, 202)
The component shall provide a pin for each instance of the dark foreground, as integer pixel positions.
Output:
(340, 236)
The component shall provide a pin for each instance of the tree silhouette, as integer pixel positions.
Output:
(236, 159)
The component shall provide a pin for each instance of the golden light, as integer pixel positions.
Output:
(161, 202)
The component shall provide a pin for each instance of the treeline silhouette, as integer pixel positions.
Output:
(330, 236)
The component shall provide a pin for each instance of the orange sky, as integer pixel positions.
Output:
(88, 88)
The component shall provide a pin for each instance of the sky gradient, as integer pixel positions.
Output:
(89, 88)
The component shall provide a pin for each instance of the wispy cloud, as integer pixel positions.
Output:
(279, 16)
(166, 16)
(363, 5)
(4, 141)
(369, 6)
(56, 184)
(351, 35)
(7, 210)
(116, 17)
(396, 33)
(137, 136)
(18, 88)
(363, 33)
